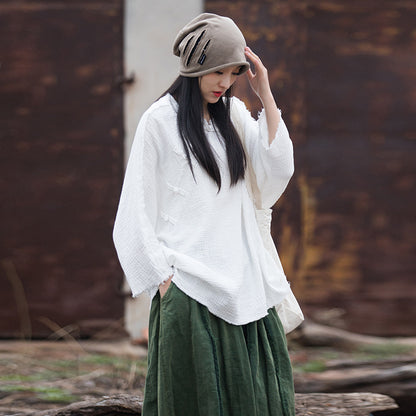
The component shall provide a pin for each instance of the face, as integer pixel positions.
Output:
(215, 84)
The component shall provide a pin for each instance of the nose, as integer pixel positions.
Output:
(226, 81)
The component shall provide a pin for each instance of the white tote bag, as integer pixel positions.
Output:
(288, 310)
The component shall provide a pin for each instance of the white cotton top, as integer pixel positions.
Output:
(169, 222)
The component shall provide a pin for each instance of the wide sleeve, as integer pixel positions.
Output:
(273, 163)
(140, 253)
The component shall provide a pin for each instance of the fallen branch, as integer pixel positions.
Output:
(316, 404)
(316, 335)
(120, 405)
(359, 379)
(342, 404)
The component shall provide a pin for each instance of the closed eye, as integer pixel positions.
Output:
(233, 73)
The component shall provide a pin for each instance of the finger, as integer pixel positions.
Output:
(252, 54)
(254, 61)
(257, 64)
(249, 56)
(250, 74)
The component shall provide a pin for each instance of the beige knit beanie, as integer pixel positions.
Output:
(209, 43)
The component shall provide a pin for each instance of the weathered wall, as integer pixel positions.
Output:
(61, 162)
(344, 74)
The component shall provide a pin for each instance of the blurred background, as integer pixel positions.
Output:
(75, 77)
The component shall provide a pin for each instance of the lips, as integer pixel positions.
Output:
(217, 93)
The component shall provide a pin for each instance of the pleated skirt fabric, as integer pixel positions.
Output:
(200, 365)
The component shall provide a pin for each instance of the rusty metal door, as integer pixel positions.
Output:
(61, 165)
(344, 74)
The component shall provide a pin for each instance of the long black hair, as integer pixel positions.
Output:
(186, 92)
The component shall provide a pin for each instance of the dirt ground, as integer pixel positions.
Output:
(40, 375)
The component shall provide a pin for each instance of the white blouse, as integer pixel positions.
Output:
(169, 222)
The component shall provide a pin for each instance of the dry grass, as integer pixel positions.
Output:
(45, 375)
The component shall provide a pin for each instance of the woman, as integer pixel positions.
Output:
(186, 233)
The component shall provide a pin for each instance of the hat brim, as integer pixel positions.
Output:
(244, 68)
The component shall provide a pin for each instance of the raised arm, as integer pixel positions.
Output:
(259, 82)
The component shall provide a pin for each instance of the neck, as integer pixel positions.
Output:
(206, 112)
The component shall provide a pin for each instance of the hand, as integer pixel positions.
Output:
(164, 287)
(259, 81)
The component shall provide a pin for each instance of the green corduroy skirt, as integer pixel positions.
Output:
(200, 365)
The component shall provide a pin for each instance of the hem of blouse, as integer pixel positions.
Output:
(240, 322)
